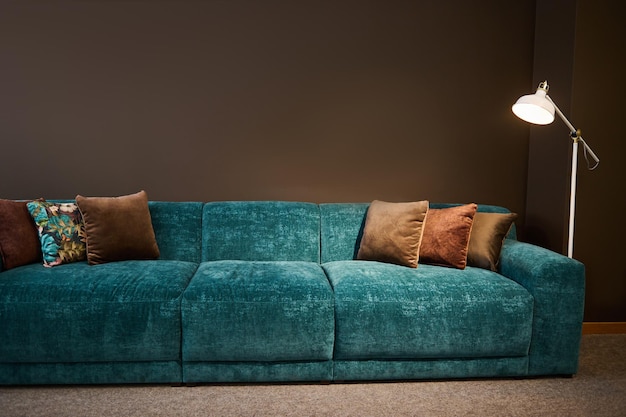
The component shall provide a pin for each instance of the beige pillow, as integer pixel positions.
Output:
(118, 228)
(393, 232)
(486, 238)
(446, 236)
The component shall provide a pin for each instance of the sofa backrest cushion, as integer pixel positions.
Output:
(178, 229)
(342, 227)
(261, 231)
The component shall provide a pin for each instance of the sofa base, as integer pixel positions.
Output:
(165, 372)
(376, 370)
(229, 372)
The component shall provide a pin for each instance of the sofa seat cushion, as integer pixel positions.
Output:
(386, 311)
(123, 311)
(259, 311)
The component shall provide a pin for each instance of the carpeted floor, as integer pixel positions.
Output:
(599, 389)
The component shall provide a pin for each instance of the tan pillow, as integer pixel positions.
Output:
(118, 228)
(488, 233)
(393, 232)
(446, 236)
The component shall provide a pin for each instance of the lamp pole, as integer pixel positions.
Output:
(575, 135)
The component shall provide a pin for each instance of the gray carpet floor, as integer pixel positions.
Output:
(599, 389)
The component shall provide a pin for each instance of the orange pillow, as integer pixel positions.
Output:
(447, 236)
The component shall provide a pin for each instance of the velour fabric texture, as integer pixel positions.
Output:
(258, 311)
(384, 311)
(261, 231)
(114, 312)
(178, 229)
(61, 231)
(393, 232)
(118, 228)
(487, 237)
(342, 227)
(19, 240)
(557, 284)
(447, 235)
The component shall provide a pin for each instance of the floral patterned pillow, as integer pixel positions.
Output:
(61, 231)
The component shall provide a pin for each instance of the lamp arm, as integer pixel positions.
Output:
(561, 115)
(575, 134)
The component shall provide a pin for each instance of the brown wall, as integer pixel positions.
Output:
(305, 100)
(312, 100)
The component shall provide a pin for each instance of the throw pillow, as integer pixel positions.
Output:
(393, 232)
(118, 228)
(19, 241)
(486, 239)
(446, 236)
(61, 231)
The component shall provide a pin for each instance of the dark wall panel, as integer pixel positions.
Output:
(598, 109)
(580, 47)
(549, 162)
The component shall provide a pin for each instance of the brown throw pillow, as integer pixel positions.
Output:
(446, 236)
(118, 228)
(486, 239)
(393, 232)
(19, 240)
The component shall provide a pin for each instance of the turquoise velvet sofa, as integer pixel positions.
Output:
(271, 291)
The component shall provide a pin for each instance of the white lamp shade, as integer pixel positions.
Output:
(535, 108)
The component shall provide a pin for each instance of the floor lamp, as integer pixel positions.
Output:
(539, 109)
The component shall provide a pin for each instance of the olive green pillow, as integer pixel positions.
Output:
(393, 232)
(446, 236)
(118, 228)
(486, 238)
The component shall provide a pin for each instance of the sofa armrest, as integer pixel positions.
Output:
(557, 284)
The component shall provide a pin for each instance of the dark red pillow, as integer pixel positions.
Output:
(19, 240)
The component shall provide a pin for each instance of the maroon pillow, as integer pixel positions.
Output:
(447, 235)
(19, 240)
